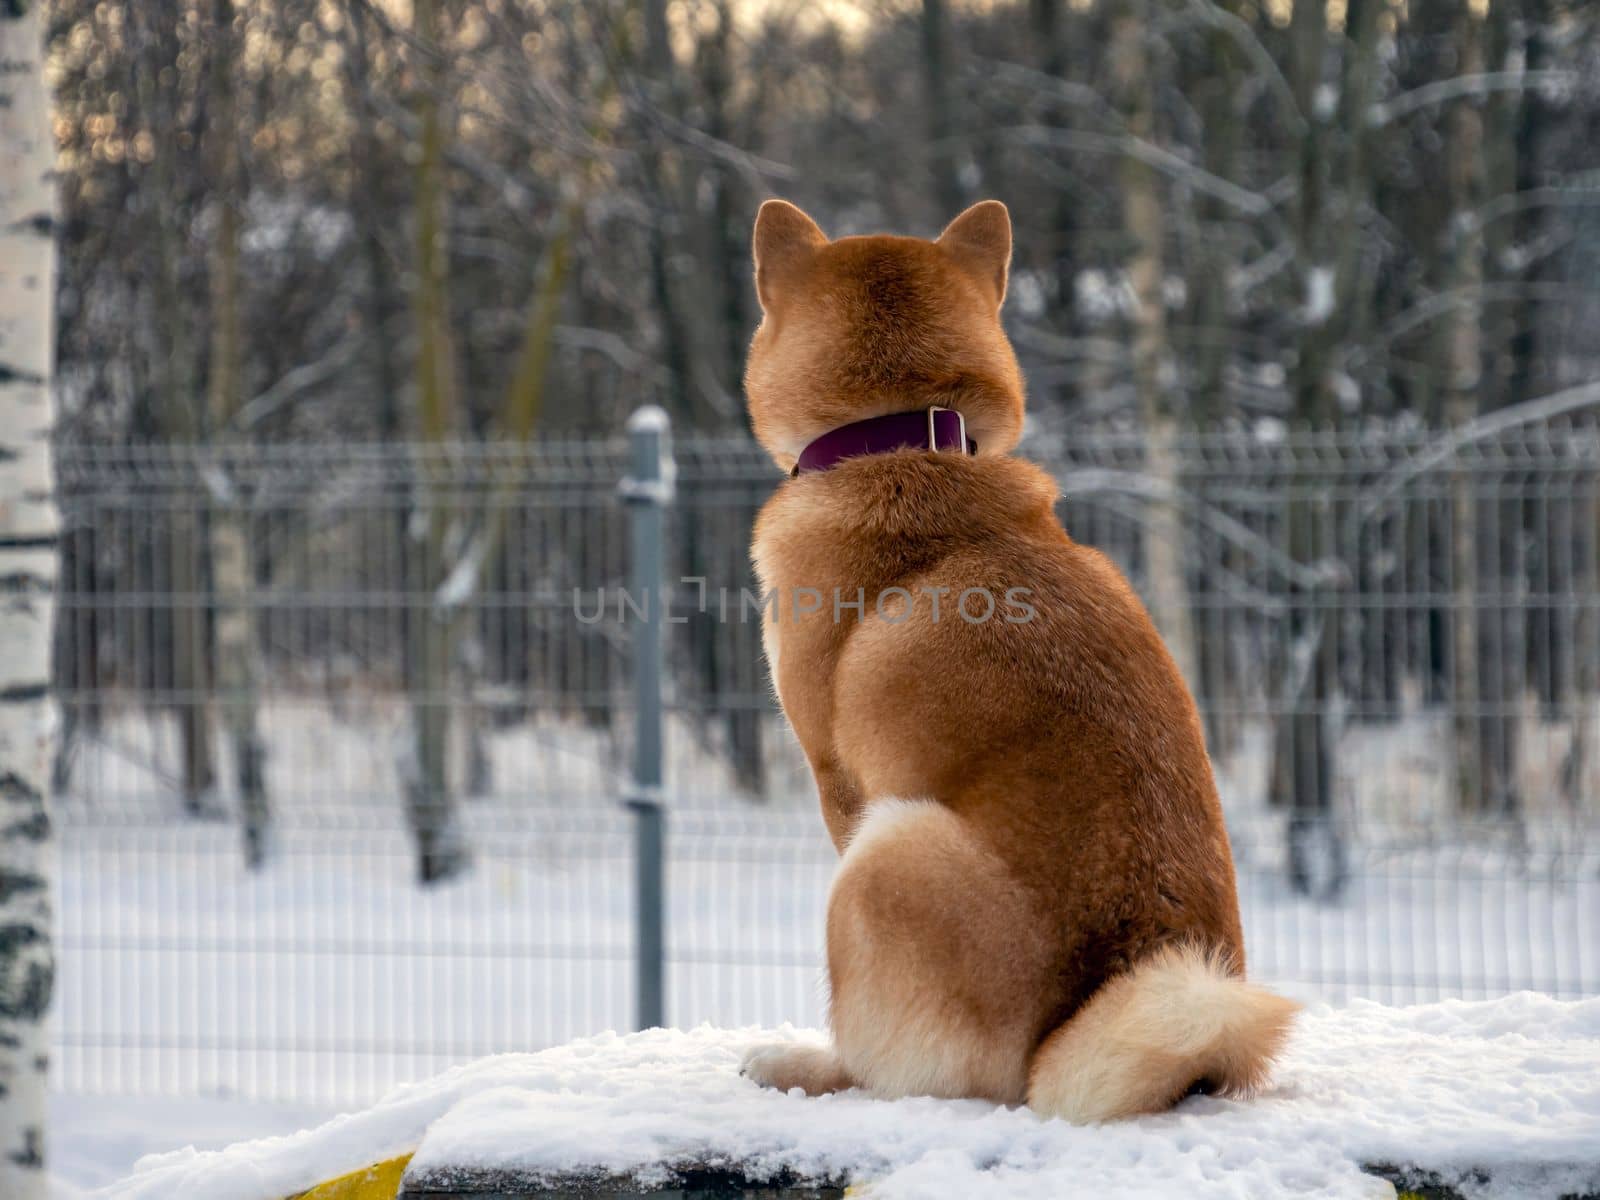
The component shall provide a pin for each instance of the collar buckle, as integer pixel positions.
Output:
(961, 430)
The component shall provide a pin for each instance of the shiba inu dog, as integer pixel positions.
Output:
(1035, 900)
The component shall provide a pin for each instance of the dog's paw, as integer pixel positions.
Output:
(815, 1070)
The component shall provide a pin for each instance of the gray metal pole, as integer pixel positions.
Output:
(648, 491)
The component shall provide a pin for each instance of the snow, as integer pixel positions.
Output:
(1497, 1097)
(95, 1140)
(1319, 295)
(651, 418)
(1027, 295)
(462, 582)
(331, 976)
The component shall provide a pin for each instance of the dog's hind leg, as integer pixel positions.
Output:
(933, 962)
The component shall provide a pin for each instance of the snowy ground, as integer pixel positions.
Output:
(330, 977)
(1500, 1098)
(95, 1140)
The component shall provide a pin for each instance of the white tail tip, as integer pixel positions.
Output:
(1181, 1017)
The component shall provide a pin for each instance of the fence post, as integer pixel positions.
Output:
(647, 491)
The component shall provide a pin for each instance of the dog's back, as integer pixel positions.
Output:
(1036, 898)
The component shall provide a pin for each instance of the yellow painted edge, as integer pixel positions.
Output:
(381, 1181)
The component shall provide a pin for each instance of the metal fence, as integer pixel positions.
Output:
(298, 679)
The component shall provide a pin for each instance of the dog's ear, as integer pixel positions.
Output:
(784, 242)
(980, 242)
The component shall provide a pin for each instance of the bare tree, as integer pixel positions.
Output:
(231, 558)
(28, 568)
(938, 76)
(175, 369)
(441, 850)
(1225, 222)
(1480, 745)
(659, 79)
(1305, 740)
(1155, 377)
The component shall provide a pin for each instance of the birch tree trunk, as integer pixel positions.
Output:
(28, 565)
(231, 559)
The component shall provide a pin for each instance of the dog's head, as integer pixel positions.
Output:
(864, 326)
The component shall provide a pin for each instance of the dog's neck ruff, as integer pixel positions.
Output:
(923, 429)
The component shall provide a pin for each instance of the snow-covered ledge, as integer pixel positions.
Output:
(1495, 1098)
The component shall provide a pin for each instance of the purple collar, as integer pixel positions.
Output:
(924, 429)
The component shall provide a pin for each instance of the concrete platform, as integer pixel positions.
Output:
(706, 1183)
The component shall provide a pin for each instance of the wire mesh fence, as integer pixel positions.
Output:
(299, 681)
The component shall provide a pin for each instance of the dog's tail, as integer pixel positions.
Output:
(1180, 1018)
